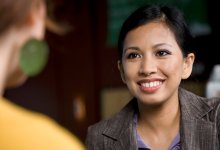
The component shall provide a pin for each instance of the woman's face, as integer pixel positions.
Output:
(153, 65)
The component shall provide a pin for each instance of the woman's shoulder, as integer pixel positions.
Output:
(212, 101)
(191, 101)
(43, 129)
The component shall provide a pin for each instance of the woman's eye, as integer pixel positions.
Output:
(133, 55)
(162, 53)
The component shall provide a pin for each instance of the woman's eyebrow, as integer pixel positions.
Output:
(162, 44)
(131, 48)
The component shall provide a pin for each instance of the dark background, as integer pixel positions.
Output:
(81, 65)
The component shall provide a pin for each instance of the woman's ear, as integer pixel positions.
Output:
(120, 68)
(35, 20)
(188, 65)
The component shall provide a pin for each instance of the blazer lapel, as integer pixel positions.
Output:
(126, 141)
(120, 130)
(196, 132)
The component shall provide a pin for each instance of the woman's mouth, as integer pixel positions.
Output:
(150, 86)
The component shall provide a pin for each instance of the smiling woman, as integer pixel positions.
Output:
(152, 63)
(156, 54)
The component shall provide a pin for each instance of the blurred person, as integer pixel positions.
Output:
(23, 53)
(156, 52)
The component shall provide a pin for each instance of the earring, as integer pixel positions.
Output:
(33, 56)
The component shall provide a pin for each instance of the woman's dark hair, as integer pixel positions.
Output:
(171, 16)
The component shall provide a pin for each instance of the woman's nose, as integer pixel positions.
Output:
(148, 66)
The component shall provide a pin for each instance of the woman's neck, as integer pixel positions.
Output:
(160, 115)
(6, 49)
(160, 123)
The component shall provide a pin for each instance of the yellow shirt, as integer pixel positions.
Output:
(21, 129)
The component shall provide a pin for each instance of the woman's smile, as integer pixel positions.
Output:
(150, 85)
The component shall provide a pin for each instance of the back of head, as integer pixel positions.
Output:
(171, 16)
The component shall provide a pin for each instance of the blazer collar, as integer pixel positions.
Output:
(192, 106)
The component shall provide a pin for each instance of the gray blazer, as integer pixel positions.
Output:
(199, 126)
